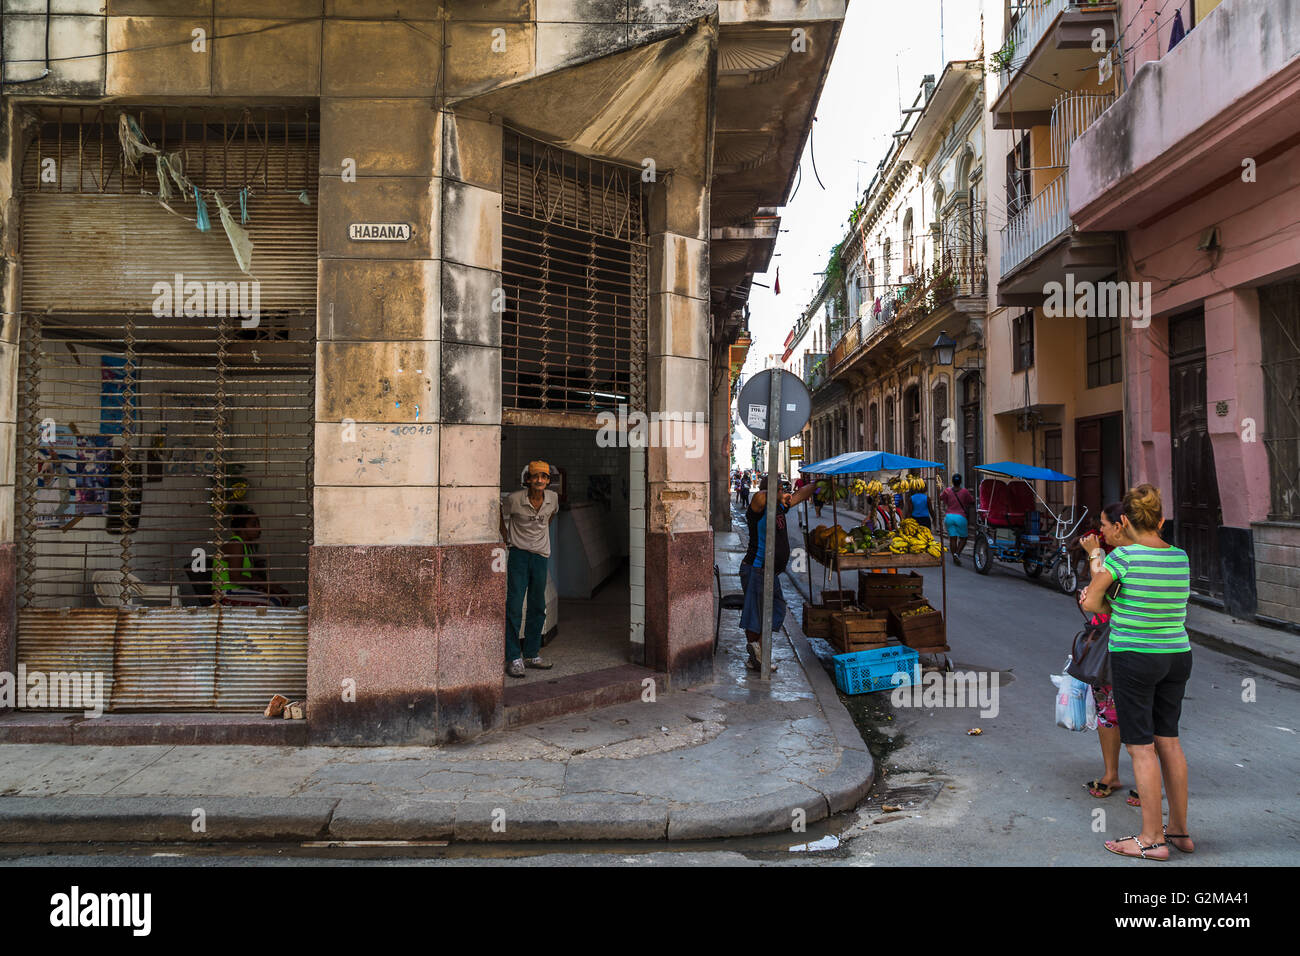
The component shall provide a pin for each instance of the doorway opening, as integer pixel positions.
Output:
(589, 590)
(573, 356)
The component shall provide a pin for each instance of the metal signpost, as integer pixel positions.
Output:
(767, 421)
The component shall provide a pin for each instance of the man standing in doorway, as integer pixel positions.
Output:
(529, 513)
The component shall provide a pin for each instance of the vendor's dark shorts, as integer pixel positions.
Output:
(1148, 691)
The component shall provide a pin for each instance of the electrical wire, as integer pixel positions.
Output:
(812, 152)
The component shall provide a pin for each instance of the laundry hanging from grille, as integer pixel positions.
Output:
(170, 169)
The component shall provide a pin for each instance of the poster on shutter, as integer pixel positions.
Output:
(72, 477)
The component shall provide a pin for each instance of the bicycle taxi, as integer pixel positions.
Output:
(1015, 525)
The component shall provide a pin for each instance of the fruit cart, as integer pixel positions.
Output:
(909, 546)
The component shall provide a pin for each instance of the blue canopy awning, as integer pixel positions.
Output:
(1010, 469)
(865, 462)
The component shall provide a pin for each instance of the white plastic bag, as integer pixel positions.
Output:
(1075, 707)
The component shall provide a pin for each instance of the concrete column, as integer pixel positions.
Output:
(720, 419)
(1232, 376)
(9, 369)
(679, 540)
(372, 619)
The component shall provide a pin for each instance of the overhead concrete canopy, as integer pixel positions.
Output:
(650, 102)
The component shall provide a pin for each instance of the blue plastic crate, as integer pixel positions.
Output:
(865, 671)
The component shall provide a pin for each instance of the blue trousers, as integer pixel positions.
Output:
(751, 616)
(525, 574)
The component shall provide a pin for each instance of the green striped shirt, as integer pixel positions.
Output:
(1149, 613)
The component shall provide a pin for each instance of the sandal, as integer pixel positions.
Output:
(1100, 790)
(1177, 836)
(1133, 800)
(1142, 849)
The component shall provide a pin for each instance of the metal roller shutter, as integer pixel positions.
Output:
(157, 429)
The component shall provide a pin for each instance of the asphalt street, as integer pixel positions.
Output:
(1014, 794)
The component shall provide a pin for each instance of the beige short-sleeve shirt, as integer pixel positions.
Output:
(528, 527)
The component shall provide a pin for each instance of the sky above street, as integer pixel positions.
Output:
(885, 48)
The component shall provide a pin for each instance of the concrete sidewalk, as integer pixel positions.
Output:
(733, 758)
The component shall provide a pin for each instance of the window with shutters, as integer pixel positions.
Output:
(573, 242)
(1279, 321)
(1022, 342)
(1104, 363)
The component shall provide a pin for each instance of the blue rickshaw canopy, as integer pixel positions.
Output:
(864, 462)
(1011, 469)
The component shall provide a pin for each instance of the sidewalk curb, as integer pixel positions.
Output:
(152, 819)
(1226, 645)
(108, 819)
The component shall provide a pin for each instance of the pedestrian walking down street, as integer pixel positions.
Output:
(957, 503)
(526, 518)
(751, 567)
(1112, 536)
(1150, 662)
(916, 505)
(742, 493)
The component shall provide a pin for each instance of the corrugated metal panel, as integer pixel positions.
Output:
(68, 639)
(166, 659)
(261, 652)
(89, 253)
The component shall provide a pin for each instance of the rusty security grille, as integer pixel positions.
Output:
(574, 270)
(1280, 365)
(166, 406)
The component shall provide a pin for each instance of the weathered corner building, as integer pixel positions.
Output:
(475, 227)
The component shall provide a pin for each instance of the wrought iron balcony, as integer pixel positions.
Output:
(1027, 32)
(1045, 218)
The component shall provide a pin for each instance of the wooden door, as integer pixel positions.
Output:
(972, 430)
(1087, 466)
(1196, 487)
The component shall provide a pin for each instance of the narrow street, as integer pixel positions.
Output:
(1014, 794)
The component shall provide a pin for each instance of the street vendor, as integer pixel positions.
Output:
(752, 564)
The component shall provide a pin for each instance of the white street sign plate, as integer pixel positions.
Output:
(379, 231)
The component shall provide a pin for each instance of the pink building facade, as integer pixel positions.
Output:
(1197, 165)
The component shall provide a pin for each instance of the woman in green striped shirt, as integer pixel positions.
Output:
(1150, 661)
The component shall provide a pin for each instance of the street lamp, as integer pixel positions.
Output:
(943, 349)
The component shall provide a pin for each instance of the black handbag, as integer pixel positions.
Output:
(1090, 655)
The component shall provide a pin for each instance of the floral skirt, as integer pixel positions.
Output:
(1105, 698)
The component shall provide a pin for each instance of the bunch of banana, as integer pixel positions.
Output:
(912, 538)
(874, 487)
(913, 612)
(859, 487)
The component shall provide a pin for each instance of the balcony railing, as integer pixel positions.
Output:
(1035, 17)
(1071, 115)
(1043, 219)
(847, 343)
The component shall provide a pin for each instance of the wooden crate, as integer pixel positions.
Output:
(858, 630)
(918, 631)
(817, 617)
(880, 591)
